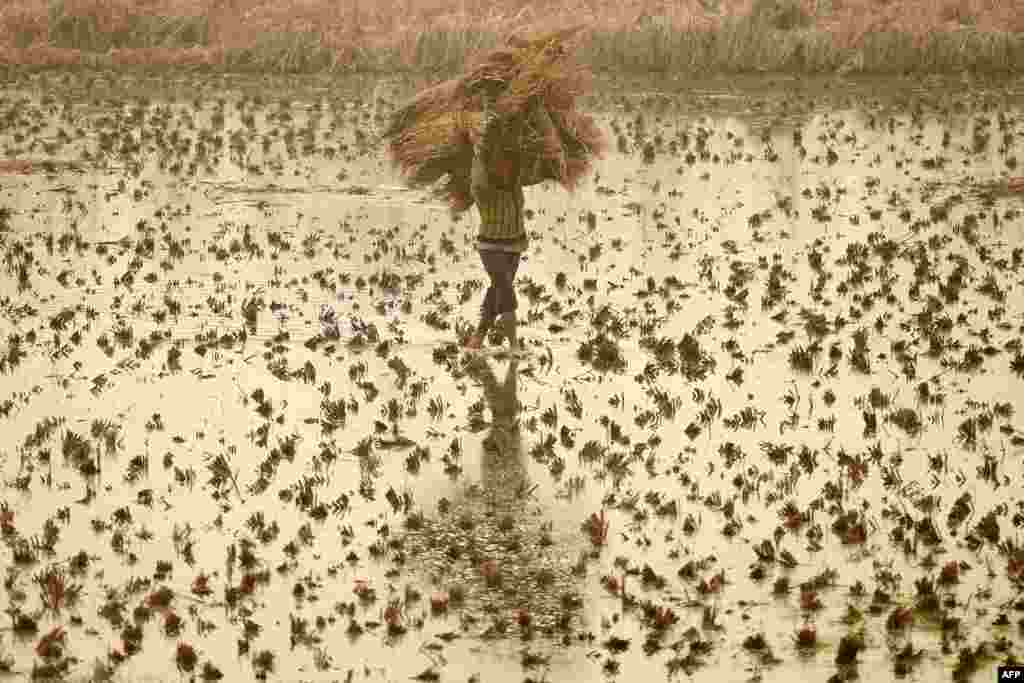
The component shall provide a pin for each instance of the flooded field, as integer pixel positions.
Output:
(766, 429)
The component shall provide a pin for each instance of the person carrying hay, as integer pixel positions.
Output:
(508, 123)
(496, 185)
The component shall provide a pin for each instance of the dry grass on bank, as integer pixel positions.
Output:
(437, 35)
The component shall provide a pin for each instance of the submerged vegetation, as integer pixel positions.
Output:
(695, 36)
(768, 420)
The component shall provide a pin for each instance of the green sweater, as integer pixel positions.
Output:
(498, 196)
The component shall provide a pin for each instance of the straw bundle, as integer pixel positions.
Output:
(432, 136)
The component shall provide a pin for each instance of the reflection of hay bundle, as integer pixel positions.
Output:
(431, 137)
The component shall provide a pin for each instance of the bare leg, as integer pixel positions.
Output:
(488, 312)
(501, 297)
(505, 295)
(489, 307)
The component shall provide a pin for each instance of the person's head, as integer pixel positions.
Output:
(492, 87)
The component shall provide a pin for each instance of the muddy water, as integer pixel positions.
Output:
(736, 223)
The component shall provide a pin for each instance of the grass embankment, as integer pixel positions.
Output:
(694, 36)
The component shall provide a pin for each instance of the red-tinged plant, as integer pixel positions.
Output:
(793, 520)
(248, 584)
(185, 657)
(6, 520)
(392, 615)
(855, 534)
(172, 623)
(712, 585)
(439, 602)
(20, 166)
(361, 587)
(160, 598)
(809, 600)
(55, 590)
(950, 572)
(806, 636)
(597, 526)
(901, 617)
(611, 583)
(490, 571)
(664, 617)
(1015, 567)
(50, 644)
(522, 617)
(857, 470)
(201, 585)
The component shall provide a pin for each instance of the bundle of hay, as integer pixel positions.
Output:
(432, 136)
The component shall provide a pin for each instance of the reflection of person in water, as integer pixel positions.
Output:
(511, 538)
(492, 543)
(503, 470)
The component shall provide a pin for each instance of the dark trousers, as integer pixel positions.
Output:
(500, 298)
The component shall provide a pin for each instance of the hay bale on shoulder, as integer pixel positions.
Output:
(432, 136)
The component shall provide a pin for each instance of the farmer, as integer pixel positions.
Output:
(497, 189)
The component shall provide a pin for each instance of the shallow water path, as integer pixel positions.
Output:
(776, 338)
